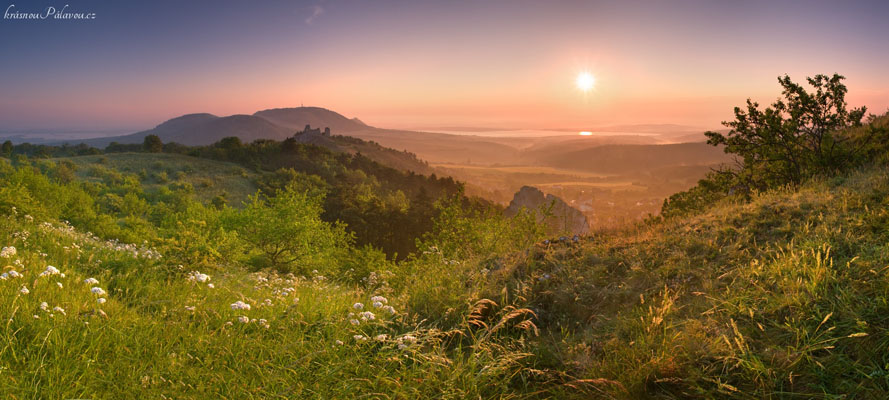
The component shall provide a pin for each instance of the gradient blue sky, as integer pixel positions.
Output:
(416, 64)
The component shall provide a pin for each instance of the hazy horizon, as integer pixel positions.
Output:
(410, 65)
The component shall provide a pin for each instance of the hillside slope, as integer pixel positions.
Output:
(782, 296)
(785, 295)
(208, 178)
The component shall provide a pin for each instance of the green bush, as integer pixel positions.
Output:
(800, 136)
(287, 231)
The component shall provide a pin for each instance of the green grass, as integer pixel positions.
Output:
(209, 178)
(786, 296)
(146, 341)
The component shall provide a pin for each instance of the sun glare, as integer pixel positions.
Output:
(585, 133)
(585, 81)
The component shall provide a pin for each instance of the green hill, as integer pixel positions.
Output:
(783, 296)
(208, 178)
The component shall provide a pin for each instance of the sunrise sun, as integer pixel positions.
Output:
(585, 81)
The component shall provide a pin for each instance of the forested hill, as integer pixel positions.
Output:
(203, 129)
(385, 207)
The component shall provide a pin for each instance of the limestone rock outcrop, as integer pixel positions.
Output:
(561, 217)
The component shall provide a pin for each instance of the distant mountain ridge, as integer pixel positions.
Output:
(296, 118)
(202, 129)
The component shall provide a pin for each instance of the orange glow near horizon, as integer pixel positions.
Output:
(570, 66)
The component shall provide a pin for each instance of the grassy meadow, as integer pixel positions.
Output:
(781, 296)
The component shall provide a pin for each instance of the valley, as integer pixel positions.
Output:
(614, 177)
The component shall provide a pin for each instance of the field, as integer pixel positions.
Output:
(608, 199)
(525, 169)
(781, 296)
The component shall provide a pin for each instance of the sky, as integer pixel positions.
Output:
(421, 64)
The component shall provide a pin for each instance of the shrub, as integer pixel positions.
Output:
(797, 137)
(800, 136)
(287, 231)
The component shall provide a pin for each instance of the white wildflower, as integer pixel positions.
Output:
(211, 286)
(243, 319)
(377, 304)
(189, 308)
(91, 281)
(381, 337)
(97, 291)
(379, 299)
(196, 276)
(367, 316)
(59, 284)
(50, 270)
(354, 321)
(7, 252)
(24, 290)
(390, 309)
(11, 274)
(240, 305)
(358, 306)
(44, 306)
(101, 300)
(264, 323)
(59, 310)
(359, 338)
(405, 341)
(339, 342)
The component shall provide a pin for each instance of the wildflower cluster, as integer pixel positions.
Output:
(50, 270)
(7, 252)
(198, 277)
(44, 306)
(133, 250)
(240, 305)
(96, 290)
(381, 303)
(12, 274)
(378, 302)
